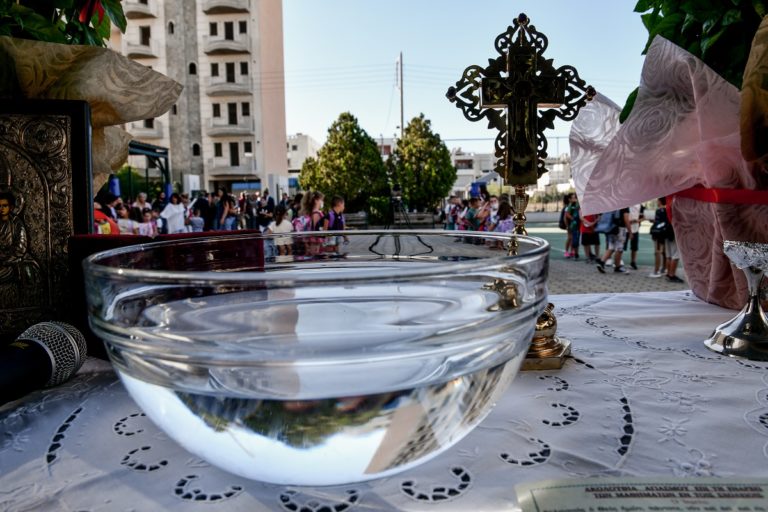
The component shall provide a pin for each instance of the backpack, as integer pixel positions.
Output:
(301, 223)
(608, 223)
(661, 229)
(335, 222)
(562, 224)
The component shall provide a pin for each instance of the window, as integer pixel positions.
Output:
(215, 69)
(192, 68)
(230, 67)
(248, 147)
(213, 29)
(149, 123)
(217, 149)
(144, 2)
(229, 31)
(294, 148)
(195, 149)
(145, 33)
(234, 154)
(246, 109)
(243, 68)
(232, 113)
(216, 110)
(174, 110)
(243, 27)
(170, 27)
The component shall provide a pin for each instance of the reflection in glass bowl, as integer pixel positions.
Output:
(320, 367)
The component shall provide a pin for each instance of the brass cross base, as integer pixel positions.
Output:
(548, 351)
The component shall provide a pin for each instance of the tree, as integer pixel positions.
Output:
(421, 165)
(348, 164)
(718, 32)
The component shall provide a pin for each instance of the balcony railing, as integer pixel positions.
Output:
(225, 6)
(221, 166)
(141, 132)
(142, 51)
(218, 45)
(134, 9)
(218, 126)
(218, 86)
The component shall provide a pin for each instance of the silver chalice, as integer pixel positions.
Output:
(745, 335)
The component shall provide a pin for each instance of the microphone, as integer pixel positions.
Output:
(47, 354)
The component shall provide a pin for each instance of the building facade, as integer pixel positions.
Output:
(298, 148)
(472, 167)
(228, 126)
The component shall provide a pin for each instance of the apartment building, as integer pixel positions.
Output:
(228, 126)
(472, 167)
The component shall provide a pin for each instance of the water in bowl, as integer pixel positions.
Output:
(313, 376)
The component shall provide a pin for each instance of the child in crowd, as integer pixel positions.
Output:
(281, 224)
(589, 238)
(196, 222)
(127, 225)
(659, 231)
(149, 226)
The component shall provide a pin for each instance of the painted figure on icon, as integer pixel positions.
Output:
(19, 272)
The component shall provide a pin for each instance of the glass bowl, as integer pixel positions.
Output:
(318, 358)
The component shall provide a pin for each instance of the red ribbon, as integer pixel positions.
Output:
(720, 195)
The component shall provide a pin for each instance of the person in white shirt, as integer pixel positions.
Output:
(281, 224)
(173, 215)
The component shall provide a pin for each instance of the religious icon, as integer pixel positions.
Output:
(19, 272)
(44, 199)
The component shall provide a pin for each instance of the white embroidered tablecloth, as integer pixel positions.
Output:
(641, 396)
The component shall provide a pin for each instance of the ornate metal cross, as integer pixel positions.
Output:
(513, 87)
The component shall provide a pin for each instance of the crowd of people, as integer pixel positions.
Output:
(481, 213)
(219, 211)
(621, 230)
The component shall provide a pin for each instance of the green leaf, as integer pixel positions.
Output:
(36, 25)
(629, 105)
(709, 25)
(642, 6)
(690, 25)
(760, 7)
(669, 7)
(731, 17)
(651, 19)
(104, 28)
(669, 26)
(708, 42)
(114, 10)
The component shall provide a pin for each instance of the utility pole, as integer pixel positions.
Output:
(400, 80)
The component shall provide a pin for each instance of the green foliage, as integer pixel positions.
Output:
(348, 164)
(58, 21)
(131, 183)
(719, 32)
(421, 165)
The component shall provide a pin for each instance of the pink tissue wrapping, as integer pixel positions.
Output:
(683, 132)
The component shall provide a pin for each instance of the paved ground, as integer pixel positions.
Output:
(574, 276)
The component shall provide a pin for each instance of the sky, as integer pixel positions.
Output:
(341, 55)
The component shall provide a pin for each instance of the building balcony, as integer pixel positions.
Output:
(221, 166)
(218, 45)
(218, 86)
(225, 6)
(136, 9)
(142, 51)
(141, 132)
(218, 126)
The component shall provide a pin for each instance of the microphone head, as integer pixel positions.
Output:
(65, 346)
